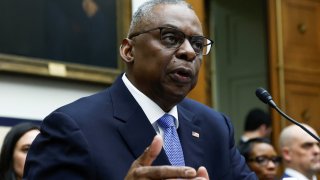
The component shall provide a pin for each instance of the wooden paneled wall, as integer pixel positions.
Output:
(202, 92)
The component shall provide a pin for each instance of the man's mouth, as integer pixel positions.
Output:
(183, 75)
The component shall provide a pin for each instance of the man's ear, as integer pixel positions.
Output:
(286, 154)
(262, 129)
(126, 50)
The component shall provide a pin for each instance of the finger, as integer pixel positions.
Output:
(202, 172)
(145, 159)
(152, 152)
(166, 172)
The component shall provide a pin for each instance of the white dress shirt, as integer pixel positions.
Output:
(297, 175)
(150, 108)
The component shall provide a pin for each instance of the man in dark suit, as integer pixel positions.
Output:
(113, 134)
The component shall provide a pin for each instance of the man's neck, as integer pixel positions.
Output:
(251, 134)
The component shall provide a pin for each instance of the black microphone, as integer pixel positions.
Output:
(265, 97)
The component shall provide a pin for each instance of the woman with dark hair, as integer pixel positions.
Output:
(14, 150)
(261, 158)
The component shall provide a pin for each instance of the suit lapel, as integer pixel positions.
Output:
(136, 129)
(190, 137)
(138, 133)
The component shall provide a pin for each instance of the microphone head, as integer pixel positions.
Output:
(263, 95)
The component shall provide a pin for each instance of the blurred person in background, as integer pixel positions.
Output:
(300, 153)
(14, 150)
(261, 157)
(257, 125)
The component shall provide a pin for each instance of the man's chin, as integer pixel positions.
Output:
(316, 167)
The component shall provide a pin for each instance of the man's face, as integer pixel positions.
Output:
(166, 75)
(268, 132)
(305, 155)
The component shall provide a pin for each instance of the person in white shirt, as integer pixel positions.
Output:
(300, 153)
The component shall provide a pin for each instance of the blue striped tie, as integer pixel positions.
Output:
(172, 144)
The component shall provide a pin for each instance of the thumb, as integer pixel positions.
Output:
(202, 172)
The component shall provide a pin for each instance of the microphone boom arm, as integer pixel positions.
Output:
(265, 97)
(296, 123)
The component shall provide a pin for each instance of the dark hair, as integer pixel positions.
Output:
(246, 148)
(9, 143)
(255, 118)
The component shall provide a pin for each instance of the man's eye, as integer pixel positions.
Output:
(197, 44)
(309, 145)
(170, 39)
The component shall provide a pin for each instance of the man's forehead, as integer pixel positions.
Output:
(304, 140)
(173, 15)
(311, 141)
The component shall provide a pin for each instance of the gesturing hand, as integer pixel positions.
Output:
(141, 168)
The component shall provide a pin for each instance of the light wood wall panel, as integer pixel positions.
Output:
(202, 92)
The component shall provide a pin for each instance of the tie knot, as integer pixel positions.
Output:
(166, 121)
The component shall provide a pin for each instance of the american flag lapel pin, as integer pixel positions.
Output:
(195, 134)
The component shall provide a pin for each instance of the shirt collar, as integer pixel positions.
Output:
(149, 107)
(297, 175)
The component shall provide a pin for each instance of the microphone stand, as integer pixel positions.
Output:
(265, 97)
(296, 123)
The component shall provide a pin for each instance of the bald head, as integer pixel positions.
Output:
(292, 133)
(300, 151)
(144, 14)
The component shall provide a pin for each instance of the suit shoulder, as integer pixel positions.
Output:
(204, 114)
(86, 104)
(198, 107)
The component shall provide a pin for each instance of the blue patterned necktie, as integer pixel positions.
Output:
(172, 144)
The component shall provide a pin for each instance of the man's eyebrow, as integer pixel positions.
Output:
(170, 25)
(175, 27)
(309, 144)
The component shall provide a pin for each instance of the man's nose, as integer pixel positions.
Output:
(316, 148)
(186, 51)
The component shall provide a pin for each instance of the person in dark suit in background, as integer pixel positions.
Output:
(119, 133)
(14, 150)
(257, 125)
(300, 153)
(261, 157)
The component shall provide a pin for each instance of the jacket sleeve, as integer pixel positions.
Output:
(60, 151)
(241, 170)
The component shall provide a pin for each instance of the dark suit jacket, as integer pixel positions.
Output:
(98, 137)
